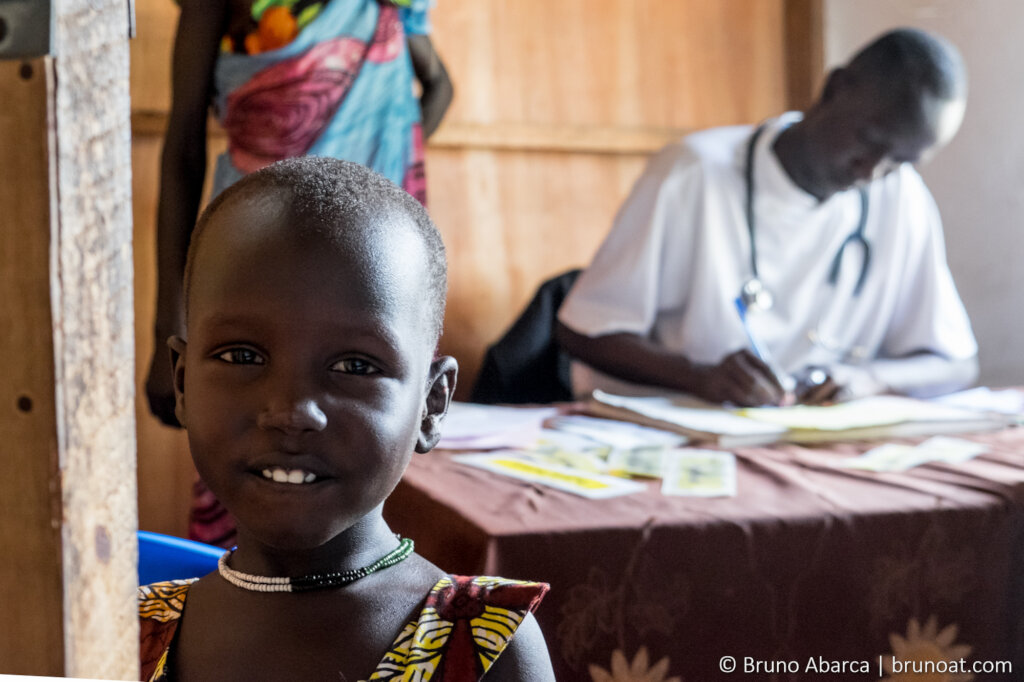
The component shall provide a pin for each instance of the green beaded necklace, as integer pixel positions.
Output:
(313, 581)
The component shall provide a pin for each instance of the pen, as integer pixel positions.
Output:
(785, 380)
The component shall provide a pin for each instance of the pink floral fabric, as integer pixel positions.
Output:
(283, 109)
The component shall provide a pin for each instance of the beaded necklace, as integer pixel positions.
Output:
(313, 581)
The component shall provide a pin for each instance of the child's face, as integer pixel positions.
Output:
(308, 362)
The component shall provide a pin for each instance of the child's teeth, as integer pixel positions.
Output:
(296, 476)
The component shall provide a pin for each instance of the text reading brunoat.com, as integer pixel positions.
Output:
(881, 667)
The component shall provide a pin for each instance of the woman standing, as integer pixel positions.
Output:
(285, 78)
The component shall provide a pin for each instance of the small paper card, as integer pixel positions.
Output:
(898, 457)
(582, 483)
(699, 473)
(888, 457)
(951, 450)
(647, 462)
(568, 449)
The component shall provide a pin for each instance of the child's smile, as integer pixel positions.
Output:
(292, 476)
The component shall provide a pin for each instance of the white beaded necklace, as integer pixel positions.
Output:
(313, 581)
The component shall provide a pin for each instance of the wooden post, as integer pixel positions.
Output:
(803, 28)
(67, 423)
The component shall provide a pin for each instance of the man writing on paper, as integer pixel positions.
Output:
(800, 259)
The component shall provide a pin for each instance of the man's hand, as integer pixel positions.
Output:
(742, 379)
(160, 386)
(838, 383)
(814, 386)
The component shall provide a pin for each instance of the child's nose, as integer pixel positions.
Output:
(293, 416)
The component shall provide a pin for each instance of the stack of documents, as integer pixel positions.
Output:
(868, 418)
(629, 437)
(876, 417)
(698, 422)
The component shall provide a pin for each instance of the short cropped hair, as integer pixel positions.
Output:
(916, 59)
(325, 196)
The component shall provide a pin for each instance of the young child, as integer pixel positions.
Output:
(315, 295)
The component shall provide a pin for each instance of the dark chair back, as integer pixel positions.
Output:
(526, 365)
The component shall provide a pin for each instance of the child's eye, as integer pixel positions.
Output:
(354, 366)
(241, 356)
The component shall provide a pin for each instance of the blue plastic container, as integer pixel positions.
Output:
(165, 557)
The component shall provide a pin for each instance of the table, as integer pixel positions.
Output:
(808, 564)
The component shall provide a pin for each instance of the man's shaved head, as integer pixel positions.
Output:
(898, 100)
(911, 58)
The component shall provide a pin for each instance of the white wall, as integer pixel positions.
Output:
(978, 180)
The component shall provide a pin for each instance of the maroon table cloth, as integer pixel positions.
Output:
(808, 568)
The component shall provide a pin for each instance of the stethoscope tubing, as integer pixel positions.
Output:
(856, 236)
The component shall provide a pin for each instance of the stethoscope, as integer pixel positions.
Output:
(753, 293)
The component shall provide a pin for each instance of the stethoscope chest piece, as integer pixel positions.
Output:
(755, 296)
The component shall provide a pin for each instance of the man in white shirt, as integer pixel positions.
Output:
(821, 210)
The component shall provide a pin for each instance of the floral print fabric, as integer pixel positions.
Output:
(465, 624)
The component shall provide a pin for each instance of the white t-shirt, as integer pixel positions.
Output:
(679, 253)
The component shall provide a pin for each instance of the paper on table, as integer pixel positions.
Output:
(899, 457)
(615, 433)
(584, 484)
(886, 457)
(469, 426)
(951, 450)
(983, 399)
(866, 412)
(638, 461)
(569, 449)
(702, 419)
(699, 473)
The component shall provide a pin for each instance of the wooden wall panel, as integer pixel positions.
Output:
(509, 221)
(805, 53)
(624, 63)
(165, 468)
(155, 21)
(165, 471)
(31, 587)
(557, 105)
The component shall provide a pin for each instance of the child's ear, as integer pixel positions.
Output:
(177, 346)
(443, 371)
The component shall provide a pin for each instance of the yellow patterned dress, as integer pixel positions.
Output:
(465, 624)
